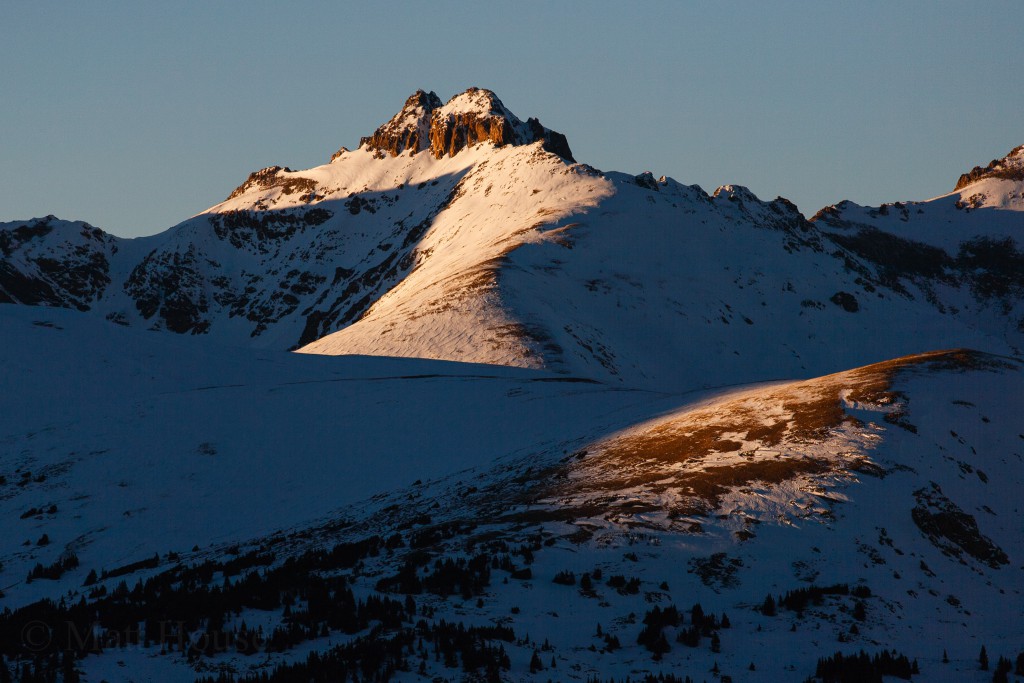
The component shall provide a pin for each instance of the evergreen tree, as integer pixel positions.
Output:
(1003, 668)
(983, 659)
(71, 674)
(768, 606)
(660, 646)
(535, 663)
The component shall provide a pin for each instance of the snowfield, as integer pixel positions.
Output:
(148, 444)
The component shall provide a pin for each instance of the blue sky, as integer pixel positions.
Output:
(135, 116)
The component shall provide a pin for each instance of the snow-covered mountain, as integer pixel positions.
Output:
(288, 256)
(459, 232)
(547, 423)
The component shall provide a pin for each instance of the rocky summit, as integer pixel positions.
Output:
(1010, 167)
(469, 118)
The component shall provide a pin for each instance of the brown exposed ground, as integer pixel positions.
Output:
(681, 466)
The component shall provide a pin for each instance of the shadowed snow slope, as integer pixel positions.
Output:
(148, 457)
(132, 430)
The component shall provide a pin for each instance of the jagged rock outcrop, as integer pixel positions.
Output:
(469, 118)
(1010, 167)
(646, 179)
(275, 176)
(409, 129)
(554, 142)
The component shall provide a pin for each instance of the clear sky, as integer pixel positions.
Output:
(134, 116)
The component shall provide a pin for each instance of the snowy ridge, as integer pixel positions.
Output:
(631, 290)
(953, 218)
(1010, 167)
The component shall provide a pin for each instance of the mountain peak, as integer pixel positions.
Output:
(480, 101)
(409, 129)
(1010, 167)
(469, 118)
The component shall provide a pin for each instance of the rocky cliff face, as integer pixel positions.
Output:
(1010, 167)
(470, 118)
(409, 129)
